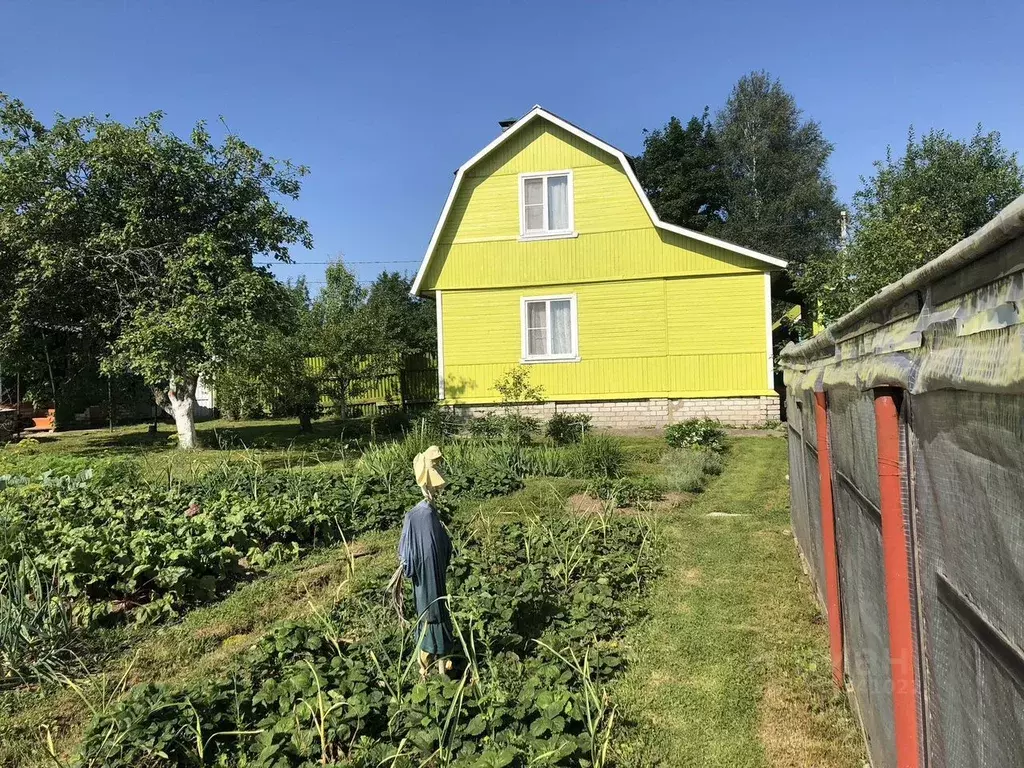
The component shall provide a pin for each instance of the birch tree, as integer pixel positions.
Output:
(779, 198)
(912, 208)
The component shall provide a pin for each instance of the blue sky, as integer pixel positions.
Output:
(383, 101)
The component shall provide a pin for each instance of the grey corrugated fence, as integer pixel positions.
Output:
(906, 429)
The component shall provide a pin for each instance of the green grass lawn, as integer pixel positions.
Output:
(732, 668)
(274, 443)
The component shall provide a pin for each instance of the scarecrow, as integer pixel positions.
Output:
(424, 551)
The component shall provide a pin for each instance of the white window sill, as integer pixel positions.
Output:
(566, 359)
(548, 236)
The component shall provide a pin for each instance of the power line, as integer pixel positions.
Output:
(322, 263)
(324, 282)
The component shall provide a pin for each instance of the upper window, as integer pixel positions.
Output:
(546, 204)
(550, 329)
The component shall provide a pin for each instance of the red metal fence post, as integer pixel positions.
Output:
(896, 555)
(828, 534)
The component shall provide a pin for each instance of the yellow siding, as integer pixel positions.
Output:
(678, 337)
(660, 314)
(479, 246)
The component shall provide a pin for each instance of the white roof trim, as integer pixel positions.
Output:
(539, 111)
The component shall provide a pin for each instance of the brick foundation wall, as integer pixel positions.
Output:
(654, 413)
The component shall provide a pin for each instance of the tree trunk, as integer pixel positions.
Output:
(181, 405)
(305, 422)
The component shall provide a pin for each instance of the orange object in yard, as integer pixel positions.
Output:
(45, 423)
(828, 535)
(896, 555)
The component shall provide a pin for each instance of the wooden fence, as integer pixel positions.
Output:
(412, 384)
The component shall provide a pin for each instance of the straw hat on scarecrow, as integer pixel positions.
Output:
(428, 478)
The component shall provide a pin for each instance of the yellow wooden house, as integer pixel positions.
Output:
(549, 254)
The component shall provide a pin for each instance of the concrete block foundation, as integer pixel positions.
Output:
(653, 413)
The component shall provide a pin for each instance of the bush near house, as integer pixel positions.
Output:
(696, 433)
(565, 428)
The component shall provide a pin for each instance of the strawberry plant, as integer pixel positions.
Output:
(627, 491)
(125, 550)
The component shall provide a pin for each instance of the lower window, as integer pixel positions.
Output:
(549, 328)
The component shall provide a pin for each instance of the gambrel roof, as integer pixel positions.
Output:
(539, 112)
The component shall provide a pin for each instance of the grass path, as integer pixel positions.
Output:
(732, 668)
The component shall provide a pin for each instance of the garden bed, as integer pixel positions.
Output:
(539, 595)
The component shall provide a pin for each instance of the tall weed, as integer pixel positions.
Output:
(593, 456)
(689, 470)
(37, 634)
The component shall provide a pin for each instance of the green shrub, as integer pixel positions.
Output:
(236, 398)
(696, 433)
(484, 426)
(441, 423)
(628, 491)
(510, 426)
(517, 428)
(565, 428)
(516, 388)
(689, 469)
(391, 421)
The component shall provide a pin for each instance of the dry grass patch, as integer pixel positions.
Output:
(586, 505)
(786, 742)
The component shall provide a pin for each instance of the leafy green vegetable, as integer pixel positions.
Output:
(628, 491)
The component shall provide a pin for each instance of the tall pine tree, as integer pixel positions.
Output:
(681, 173)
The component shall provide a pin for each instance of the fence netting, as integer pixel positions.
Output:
(861, 568)
(946, 343)
(968, 498)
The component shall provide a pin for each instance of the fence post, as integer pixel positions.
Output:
(828, 533)
(896, 557)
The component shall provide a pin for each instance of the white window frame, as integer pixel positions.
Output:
(547, 234)
(574, 353)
